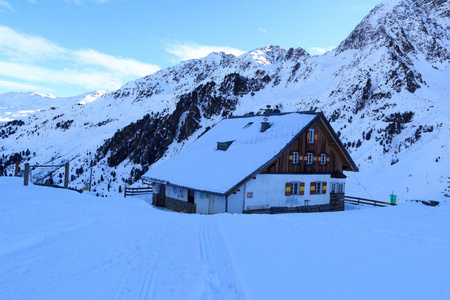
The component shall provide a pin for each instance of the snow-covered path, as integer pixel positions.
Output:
(58, 244)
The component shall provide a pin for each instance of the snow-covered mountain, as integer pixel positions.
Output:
(14, 106)
(384, 88)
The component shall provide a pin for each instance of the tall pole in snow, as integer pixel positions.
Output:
(66, 175)
(16, 171)
(26, 174)
(90, 179)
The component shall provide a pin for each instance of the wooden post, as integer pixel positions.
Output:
(90, 180)
(16, 171)
(66, 176)
(26, 174)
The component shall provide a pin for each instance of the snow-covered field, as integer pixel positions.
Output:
(58, 244)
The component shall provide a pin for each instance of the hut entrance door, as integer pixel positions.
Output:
(191, 194)
(162, 195)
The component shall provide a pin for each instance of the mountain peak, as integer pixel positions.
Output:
(406, 26)
(274, 54)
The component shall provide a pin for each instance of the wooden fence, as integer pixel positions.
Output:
(27, 171)
(358, 200)
(128, 191)
(57, 186)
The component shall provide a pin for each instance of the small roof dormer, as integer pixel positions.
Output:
(223, 146)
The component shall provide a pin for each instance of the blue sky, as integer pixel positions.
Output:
(68, 47)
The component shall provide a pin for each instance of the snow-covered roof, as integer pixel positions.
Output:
(202, 167)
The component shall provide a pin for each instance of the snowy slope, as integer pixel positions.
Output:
(58, 244)
(384, 89)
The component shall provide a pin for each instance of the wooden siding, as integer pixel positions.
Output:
(325, 144)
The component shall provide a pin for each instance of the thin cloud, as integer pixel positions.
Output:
(15, 86)
(19, 46)
(4, 5)
(33, 59)
(89, 80)
(186, 51)
(125, 66)
(319, 50)
(260, 29)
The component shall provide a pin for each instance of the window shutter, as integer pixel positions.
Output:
(313, 188)
(316, 136)
(324, 188)
(305, 157)
(307, 136)
(288, 189)
(302, 188)
(291, 156)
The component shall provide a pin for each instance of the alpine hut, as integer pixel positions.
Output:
(271, 162)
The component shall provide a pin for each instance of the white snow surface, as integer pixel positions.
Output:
(202, 167)
(58, 244)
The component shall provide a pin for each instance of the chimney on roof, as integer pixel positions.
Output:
(267, 111)
(265, 125)
(270, 111)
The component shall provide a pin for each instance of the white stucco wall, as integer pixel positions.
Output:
(208, 203)
(269, 189)
(217, 204)
(236, 201)
(202, 202)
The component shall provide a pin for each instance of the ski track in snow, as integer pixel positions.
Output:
(219, 274)
(142, 276)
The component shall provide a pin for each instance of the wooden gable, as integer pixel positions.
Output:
(327, 142)
(294, 160)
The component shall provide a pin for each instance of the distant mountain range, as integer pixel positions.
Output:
(385, 90)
